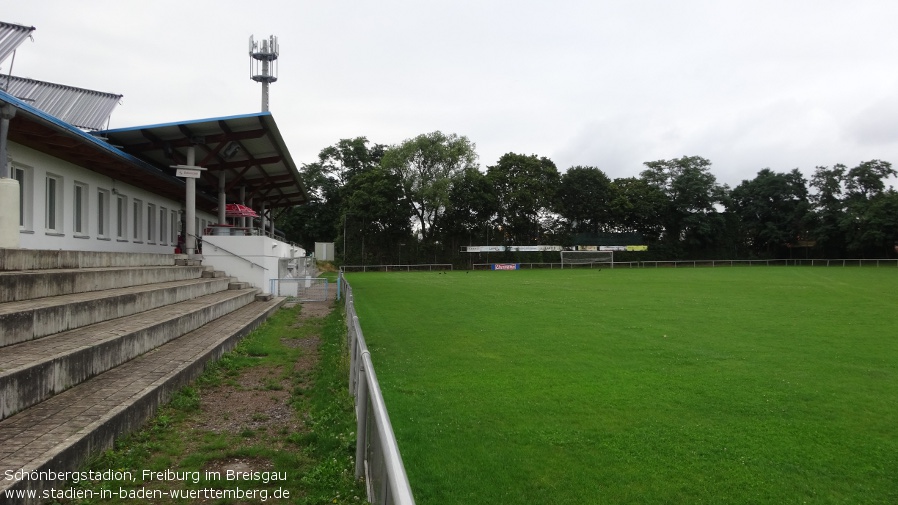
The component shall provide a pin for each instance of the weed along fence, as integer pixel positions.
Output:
(377, 457)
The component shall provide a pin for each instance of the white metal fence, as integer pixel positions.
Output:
(377, 457)
(418, 267)
(303, 289)
(882, 262)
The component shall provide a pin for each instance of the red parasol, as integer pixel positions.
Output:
(238, 210)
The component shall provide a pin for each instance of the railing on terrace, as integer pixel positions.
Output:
(396, 268)
(219, 248)
(302, 289)
(377, 457)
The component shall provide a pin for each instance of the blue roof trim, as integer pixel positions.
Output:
(78, 133)
(185, 123)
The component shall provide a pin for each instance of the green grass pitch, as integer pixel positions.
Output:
(716, 385)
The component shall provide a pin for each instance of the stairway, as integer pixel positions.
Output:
(92, 343)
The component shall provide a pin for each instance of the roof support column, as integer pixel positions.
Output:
(243, 202)
(250, 221)
(222, 198)
(191, 173)
(264, 218)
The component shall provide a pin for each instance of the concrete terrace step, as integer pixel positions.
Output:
(38, 259)
(63, 432)
(31, 372)
(29, 319)
(31, 284)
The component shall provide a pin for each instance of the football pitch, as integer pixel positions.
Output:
(711, 385)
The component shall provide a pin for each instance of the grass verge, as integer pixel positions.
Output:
(302, 457)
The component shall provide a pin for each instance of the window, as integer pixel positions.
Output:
(103, 213)
(53, 214)
(80, 214)
(163, 225)
(151, 223)
(174, 227)
(121, 217)
(137, 220)
(23, 175)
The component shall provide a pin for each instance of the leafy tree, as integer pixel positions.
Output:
(472, 204)
(864, 228)
(585, 197)
(320, 219)
(316, 220)
(638, 207)
(349, 157)
(880, 236)
(376, 216)
(828, 207)
(867, 180)
(525, 188)
(426, 166)
(773, 209)
(693, 194)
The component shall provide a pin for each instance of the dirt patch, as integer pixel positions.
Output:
(239, 465)
(258, 399)
(316, 309)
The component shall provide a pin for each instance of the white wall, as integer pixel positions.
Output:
(252, 259)
(35, 235)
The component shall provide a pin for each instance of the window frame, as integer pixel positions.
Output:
(151, 223)
(137, 221)
(121, 213)
(25, 176)
(103, 214)
(53, 204)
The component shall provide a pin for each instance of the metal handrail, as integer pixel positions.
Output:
(383, 470)
(216, 246)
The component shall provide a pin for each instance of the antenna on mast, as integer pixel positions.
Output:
(263, 64)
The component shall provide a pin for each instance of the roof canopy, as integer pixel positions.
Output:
(247, 149)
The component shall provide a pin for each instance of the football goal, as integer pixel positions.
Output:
(587, 259)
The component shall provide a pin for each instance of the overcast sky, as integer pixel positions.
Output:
(747, 84)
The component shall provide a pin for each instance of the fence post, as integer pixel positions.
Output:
(361, 428)
(339, 279)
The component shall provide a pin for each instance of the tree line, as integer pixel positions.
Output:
(421, 200)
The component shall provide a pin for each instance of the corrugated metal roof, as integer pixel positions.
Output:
(11, 35)
(80, 107)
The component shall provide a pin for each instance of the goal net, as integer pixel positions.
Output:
(587, 258)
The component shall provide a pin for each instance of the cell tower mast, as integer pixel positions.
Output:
(263, 64)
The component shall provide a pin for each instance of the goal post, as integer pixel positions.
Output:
(587, 258)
